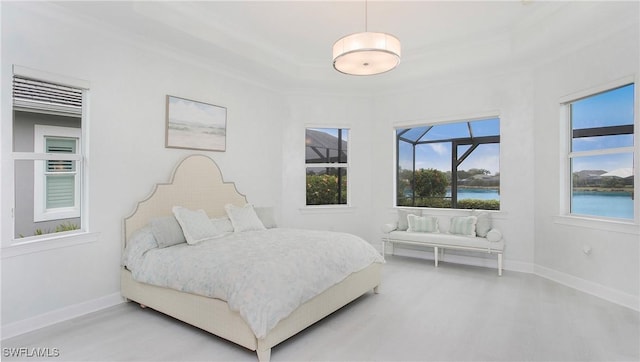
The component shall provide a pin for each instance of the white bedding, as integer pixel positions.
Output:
(264, 275)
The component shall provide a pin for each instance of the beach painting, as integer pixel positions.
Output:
(195, 125)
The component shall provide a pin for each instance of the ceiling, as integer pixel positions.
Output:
(288, 43)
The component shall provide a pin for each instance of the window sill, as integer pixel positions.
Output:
(44, 243)
(619, 226)
(327, 209)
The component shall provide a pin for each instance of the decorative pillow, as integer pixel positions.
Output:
(244, 218)
(494, 235)
(139, 242)
(223, 224)
(265, 214)
(196, 225)
(167, 231)
(463, 225)
(484, 223)
(422, 224)
(403, 223)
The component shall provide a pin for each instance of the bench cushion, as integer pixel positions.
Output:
(446, 239)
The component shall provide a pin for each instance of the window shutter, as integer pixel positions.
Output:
(60, 191)
(60, 145)
(36, 95)
(60, 174)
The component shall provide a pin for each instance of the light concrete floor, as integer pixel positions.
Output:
(450, 313)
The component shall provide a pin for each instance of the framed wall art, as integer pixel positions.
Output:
(195, 125)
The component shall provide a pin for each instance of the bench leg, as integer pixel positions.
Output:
(500, 264)
(435, 255)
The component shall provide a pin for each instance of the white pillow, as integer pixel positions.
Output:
(494, 235)
(196, 225)
(484, 223)
(167, 231)
(422, 224)
(403, 222)
(244, 218)
(463, 225)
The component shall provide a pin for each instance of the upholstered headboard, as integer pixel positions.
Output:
(196, 183)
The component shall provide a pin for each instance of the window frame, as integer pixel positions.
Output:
(340, 165)
(493, 139)
(567, 155)
(13, 246)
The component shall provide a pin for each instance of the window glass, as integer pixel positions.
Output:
(601, 142)
(610, 108)
(447, 131)
(601, 157)
(489, 127)
(326, 157)
(47, 129)
(413, 134)
(454, 165)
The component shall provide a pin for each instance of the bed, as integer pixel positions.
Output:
(197, 183)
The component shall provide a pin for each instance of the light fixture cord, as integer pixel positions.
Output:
(366, 25)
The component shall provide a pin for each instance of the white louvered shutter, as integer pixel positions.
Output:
(60, 174)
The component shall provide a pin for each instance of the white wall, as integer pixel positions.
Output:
(328, 111)
(612, 269)
(129, 82)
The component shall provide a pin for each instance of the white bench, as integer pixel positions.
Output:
(491, 242)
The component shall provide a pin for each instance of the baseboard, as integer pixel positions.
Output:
(589, 287)
(60, 315)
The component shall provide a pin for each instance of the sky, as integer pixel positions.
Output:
(610, 108)
(438, 155)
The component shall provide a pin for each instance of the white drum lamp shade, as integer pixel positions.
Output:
(366, 53)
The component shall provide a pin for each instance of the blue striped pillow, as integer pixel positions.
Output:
(463, 225)
(422, 224)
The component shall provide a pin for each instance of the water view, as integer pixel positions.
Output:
(478, 194)
(606, 204)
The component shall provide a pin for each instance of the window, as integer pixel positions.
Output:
(48, 153)
(326, 162)
(449, 165)
(56, 182)
(601, 154)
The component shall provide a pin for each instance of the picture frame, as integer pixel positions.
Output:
(195, 125)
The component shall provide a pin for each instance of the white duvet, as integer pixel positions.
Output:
(264, 275)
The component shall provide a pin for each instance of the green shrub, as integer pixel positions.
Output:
(323, 190)
(430, 183)
(479, 204)
(445, 203)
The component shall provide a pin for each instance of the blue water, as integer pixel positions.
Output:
(478, 194)
(605, 204)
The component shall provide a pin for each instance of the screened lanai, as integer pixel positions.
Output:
(449, 165)
(326, 151)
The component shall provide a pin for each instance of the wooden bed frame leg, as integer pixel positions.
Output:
(376, 289)
(143, 306)
(264, 355)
